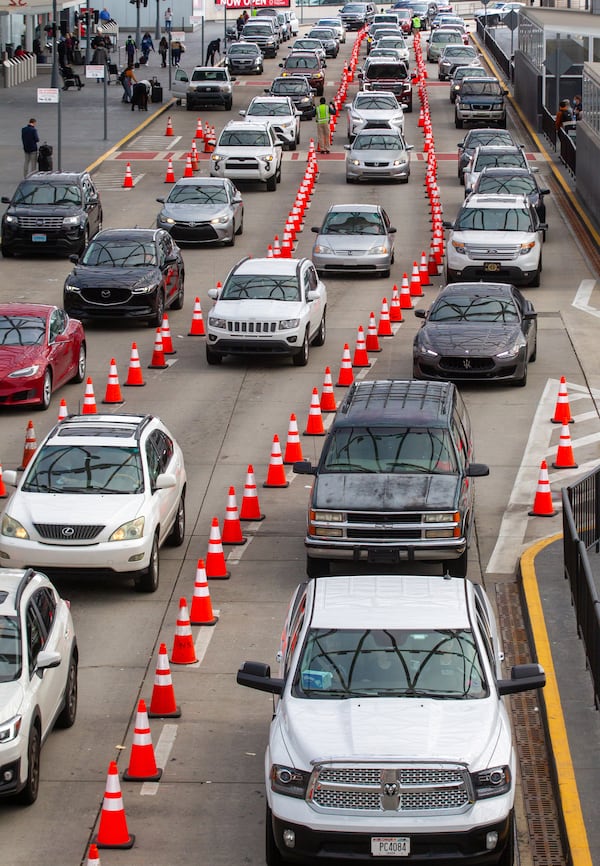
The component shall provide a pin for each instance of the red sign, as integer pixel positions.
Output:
(258, 4)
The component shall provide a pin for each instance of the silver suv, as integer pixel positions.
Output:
(248, 151)
(207, 85)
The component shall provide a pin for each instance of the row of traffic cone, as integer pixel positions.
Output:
(543, 505)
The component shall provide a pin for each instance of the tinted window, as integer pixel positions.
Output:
(390, 450)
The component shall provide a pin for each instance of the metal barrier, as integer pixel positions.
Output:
(488, 41)
(18, 69)
(581, 523)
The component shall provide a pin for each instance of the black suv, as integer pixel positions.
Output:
(51, 212)
(299, 91)
(392, 483)
(126, 273)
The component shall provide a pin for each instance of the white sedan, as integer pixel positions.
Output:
(371, 110)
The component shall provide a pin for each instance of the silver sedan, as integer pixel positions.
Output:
(354, 238)
(202, 210)
(377, 154)
(370, 109)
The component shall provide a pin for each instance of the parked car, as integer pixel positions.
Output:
(299, 91)
(38, 676)
(413, 441)
(41, 349)
(476, 332)
(206, 86)
(244, 57)
(308, 65)
(268, 307)
(389, 735)
(126, 274)
(374, 110)
(202, 210)
(280, 112)
(514, 181)
(248, 151)
(51, 212)
(378, 154)
(495, 237)
(354, 238)
(102, 493)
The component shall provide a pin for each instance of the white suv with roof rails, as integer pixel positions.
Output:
(101, 494)
(248, 151)
(390, 736)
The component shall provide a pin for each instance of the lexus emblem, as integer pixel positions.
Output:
(68, 531)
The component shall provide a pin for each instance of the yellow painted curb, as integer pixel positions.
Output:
(570, 803)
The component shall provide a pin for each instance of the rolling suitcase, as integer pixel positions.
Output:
(157, 93)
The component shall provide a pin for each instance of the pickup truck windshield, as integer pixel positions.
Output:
(393, 450)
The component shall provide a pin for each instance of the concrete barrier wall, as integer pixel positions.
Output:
(18, 69)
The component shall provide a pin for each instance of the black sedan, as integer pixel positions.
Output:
(513, 181)
(299, 91)
(126, 273)
(476, 332)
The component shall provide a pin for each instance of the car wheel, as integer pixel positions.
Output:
(520, 383)
(458, 123)
(272, 854)
(156, 320)
(213, 358)
(66, 719)
(272, 183)
(177, 533)
(189, 105)
(231, 241)
(240, 228)
(293, 145)
(84, 243)
(321, 334)
(317, 567)
(81, 364)
(457, 567)
(300, 359)
(508, 855)
(229, 104)
(29, 793)
(46, 391)
(180, 296)
(147, 580)
(278, 174)
(6, 253)
(533, 357)
(409, 107)
(535, 282)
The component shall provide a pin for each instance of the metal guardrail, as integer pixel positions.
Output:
(18, 69)
(581, 531)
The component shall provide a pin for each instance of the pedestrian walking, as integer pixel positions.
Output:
(30, 139)
(214, 47)
(147, 46)
(163, 48)
(130, 48)
(176, 49)
(323, 116)
(168, 19)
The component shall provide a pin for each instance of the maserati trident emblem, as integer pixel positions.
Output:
(467, 363)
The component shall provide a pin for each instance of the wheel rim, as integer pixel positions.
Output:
(181, 518)
(47, 389)
(71, 694)
(34, 762)
(81, 363)
(153, 566)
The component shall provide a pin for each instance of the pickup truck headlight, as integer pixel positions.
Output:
(492, 782)
(289, 781)
(12, 528)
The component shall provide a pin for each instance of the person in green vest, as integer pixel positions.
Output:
(416, 22)
(253, 12)
(323, 117)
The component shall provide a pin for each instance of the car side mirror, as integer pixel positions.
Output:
(544, 192)
(242, 113)
(5, 199)
(420, 314)
(74, 258)
(447, 224)
(304, 467)
(213, 294)
(392, 230)
(347, 147)
(160, 200)
(315, 229)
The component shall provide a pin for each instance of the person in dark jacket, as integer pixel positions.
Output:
(147, 46)
(130, 48)
(564, 114)
(30, 139)
(163, 50)
(214, 47)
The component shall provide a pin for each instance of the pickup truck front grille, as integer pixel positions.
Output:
(404, 788)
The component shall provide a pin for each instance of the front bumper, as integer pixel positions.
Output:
(121, 557)
(385, 172)
(356, 262)
(130, 307)
(478, 370)
(506, 273)
(10, 768)
(483, 116)
(290, 345)
(198, 233)
(45, 241)
(213, 97)
(243, 169)
(385, 552)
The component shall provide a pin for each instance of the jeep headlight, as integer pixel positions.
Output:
(24, 372)
(129, 531)
(492, 782)
(12, 528)
(216, 322)
(288, 324)
(289, 781)
(10, 729)
(71, 221)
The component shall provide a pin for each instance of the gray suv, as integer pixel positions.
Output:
(392, 484)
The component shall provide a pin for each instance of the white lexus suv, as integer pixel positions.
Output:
(248, 151)
(390, 736)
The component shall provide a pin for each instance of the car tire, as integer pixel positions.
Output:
(147, 580)
(508, 855)
(66, 718)
(213, 359)
(156, 320)
(229, 104)
(535, 282)
(321, 334)
(533, 357)
(317, 567)
(271, 184)
(520, 383)
(272, 854)
(177, 533)
(180, 296)
(6, 253)
(81, 364)
(29, 794)
(458, 123)
(292, 145)
(189, 105)
(240, 228)
(300, 359)
(231, 241)
(457, 567)
(46, 390)
(350, 179)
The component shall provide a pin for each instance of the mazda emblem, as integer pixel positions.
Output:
(105, 294)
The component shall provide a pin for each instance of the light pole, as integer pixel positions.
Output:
(157, 28)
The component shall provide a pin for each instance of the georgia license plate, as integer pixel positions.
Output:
(390, 846)
(38, 239)
(491, 267)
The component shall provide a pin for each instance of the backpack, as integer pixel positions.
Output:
(121, 78)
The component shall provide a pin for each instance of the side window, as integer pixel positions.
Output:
(294, 633)
(311, 280)
(55, 325)
(46, 605)
(153, 460)
(483, 626)
(462, 444)
(35, 636)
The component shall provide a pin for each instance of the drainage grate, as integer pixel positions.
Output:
(532, 750)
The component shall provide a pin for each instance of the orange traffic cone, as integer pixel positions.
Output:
(142, 761)
(199, 131)
(542, 504)
(276, 473)
(314, 425)
(89, 399)
(328, 403)
(216, 569)
(405, 298)
(424, 270)
(432, 265)
(564, 455)
(276, 247)
(562, 410)
(163, 704)
(384, 328)
(113, 832)
(93, 856)
(346, 376)
(134, 374)
(158, 356)
(188, 171)
(250, 509)
(194, 156)
(169, 129)
(269, 252)
(202, 612)
(361, 358)
(165, 333)
(3, 493)
(62, 410)
(415, 282)
(113, 389)
(170, 175)
(30, 445)
(372, 341)
(197, 326)
(293, 448)
(232, 530)
(395, 308)
(184, 651)
(128, 179)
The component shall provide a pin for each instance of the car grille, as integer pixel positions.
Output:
(252, 327)
(106, 297)
(467, 364)
(407, 788)
(36, 222)
(481, 253)
(403, 526)
(239, 163)
(479, 106)
(66, 532)
(376, 164)
(193, 232)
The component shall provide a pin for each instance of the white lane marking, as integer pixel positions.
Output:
(202, 641)
(582, 298)
(166, 741)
